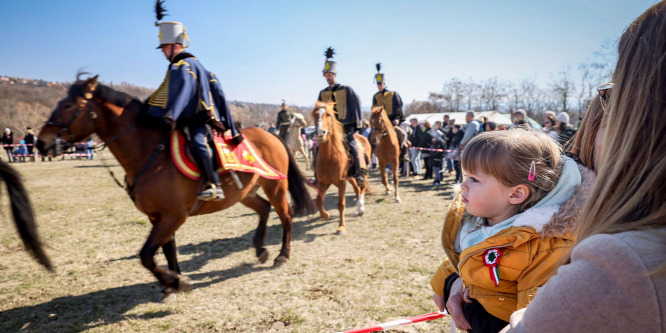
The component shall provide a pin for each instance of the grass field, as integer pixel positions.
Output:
(379, 271)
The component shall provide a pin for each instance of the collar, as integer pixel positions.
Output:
(180, 56)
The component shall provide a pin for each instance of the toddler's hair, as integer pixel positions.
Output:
(508, 155)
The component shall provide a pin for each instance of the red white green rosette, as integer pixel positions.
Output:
(490, 260)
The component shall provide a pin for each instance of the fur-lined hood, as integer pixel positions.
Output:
(557, 221)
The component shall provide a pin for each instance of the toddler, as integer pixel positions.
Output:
(499, 234)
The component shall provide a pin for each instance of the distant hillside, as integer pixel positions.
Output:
(28, 103)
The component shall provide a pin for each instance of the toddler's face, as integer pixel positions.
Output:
(485, 196)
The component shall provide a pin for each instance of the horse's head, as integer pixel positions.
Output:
(298, 121)
(325, 121)
(379, 123)
(73, 118)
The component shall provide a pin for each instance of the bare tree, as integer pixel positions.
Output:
(493, 91)
(564, 88)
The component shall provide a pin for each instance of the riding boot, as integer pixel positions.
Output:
(358, 172)
(212, 188)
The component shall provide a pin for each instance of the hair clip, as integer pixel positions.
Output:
(532, 173)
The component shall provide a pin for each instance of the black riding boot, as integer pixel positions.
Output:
(212, 188)
(356, 170)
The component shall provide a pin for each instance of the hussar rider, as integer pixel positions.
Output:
(391, 102)
(191, 97)
(284, 118)
(348, 111)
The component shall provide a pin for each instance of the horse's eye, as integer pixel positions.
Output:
(68, 106)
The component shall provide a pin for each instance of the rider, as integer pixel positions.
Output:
(284, 118)
(192, 95)
(348, 111)
(391, 102)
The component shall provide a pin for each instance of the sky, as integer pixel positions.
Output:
(266, 51)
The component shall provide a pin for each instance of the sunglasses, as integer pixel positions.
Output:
(603, 94)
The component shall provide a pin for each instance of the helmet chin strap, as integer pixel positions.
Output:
(172, 51)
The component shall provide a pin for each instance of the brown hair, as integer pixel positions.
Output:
(582, 143)
(632, 192)
(508, 155)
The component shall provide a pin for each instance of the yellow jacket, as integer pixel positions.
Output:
(530, 250)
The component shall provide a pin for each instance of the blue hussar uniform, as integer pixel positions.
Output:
(192, 96)
(348, 112)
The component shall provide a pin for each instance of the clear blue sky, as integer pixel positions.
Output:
(264, 51)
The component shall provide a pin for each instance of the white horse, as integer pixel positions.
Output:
(294, 139)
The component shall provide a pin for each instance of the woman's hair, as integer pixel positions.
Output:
(631, 193)
(427, 125)
(551, 119)
(561, 127)
(582, 143)
(508, 155)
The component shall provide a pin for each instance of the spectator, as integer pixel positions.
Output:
(562, 131)
(491, 126)
(625, 219)
(519, 119)
(426, 142)
(272, 129)
(415, 139)
(437, 158)
(484, 123)
(21, 151)
(545, 117)
(8, 142)
(30, 142)
(449, 136)
(454, 146)
(366, 129)
(90, 149)
(471, 130)
(548, 124)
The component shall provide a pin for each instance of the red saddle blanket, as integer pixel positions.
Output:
(241, 158)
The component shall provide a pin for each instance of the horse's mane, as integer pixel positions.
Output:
(108, 94)
(336, 131)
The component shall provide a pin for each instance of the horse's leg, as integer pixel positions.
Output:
(278, 198)
(341, 206)
(263, 209)
(160, 235)
(170, 253)
(321, 193)
(360, 196)
(382, 171)
(395, 178)
(307, 163)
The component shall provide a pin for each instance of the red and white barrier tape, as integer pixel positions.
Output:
(30, 144)
(432, 149)
(401, 322)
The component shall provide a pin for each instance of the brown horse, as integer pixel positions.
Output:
(24, 218)
(387, 147)
(332, 162)
(158, 189)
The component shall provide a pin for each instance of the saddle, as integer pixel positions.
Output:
(241, 158)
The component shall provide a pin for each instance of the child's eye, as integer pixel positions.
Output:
(474, 180)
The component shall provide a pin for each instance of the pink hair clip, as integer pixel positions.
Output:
(532, 173)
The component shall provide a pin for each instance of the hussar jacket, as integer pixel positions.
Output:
(529, 251)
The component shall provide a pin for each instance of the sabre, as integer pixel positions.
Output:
(234, 176)
(400, 322)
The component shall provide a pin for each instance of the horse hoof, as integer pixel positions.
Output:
(388, 192)
(325, 215)
(398, 200)
(184, 284)
(341, 231)
(168, 295)
(279, 261)
(360, 211)
(263, 257)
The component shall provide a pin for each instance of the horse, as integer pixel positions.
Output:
(24, 217)
(386, 147)
(294, 139)
(332, 162)
(156, 186)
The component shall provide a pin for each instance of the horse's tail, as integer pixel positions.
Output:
(23, 214)
(301, 198)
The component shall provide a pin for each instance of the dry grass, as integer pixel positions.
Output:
(378, 271)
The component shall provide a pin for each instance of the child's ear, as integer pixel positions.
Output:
(519, 194)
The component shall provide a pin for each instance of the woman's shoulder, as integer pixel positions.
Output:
(646, 248)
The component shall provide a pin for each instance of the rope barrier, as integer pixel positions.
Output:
(400, 322)
(431, 149)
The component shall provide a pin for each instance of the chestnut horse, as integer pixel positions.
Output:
(294, 139)
(387, 147)
(24, 218)
(332, 162)
(156, 186)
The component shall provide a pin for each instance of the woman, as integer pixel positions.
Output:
(562, 131)
(426, 142)
(548, 124)
(615, 278)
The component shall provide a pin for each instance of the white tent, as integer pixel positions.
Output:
(494, 116)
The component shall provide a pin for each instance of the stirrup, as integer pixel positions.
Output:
(211, 193)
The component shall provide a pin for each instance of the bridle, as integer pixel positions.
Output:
(382, 129)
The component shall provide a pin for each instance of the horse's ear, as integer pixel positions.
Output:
(91, 85)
